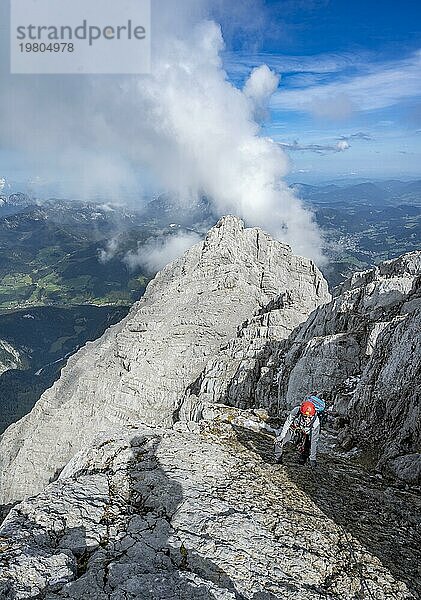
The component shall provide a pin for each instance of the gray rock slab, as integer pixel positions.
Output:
(155, 513)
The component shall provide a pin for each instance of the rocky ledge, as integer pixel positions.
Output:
(162, 514)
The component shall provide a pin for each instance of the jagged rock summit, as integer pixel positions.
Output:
(141, 369)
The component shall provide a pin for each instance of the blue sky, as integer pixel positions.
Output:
(348, 104)
(349, 100)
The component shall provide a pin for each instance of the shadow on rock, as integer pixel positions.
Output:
(154, 562)
(385, 519)
(4, 511)
(129, 550)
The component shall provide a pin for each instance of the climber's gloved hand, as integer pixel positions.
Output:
(313, 464)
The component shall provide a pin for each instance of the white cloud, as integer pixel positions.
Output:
(108, 253)
(184, 127)
(335, 107)
(158, 252)
(260, 87)
(359, 135)
(2, 183)
(379, 86)
(340, 146)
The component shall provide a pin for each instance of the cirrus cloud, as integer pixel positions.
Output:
(375, 86)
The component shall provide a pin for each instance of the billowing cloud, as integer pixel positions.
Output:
(184, 129)
(158, 252)
(260, 87)
(108, 253)
(2, 183)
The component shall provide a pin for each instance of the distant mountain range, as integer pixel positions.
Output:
(49, 250)
(391, 192)
(49, 254)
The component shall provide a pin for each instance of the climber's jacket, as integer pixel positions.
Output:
(296, 421)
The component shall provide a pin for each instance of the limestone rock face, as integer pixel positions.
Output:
(10, 357)
(239, 374)
(362, 352)
(140, 369)
(385, 411)
(337, 340)
(154, 514)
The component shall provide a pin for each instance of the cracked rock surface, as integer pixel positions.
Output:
(140, 369)
(338, 340)
(362, 353)
(160, 514)
(189, 506)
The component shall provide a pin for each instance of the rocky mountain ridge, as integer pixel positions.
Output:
(361, 352)
(141, 368)
(177, 497)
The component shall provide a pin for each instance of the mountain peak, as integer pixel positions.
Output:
(141, 368)
(229, 223)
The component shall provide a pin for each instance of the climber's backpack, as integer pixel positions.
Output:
(320, 406)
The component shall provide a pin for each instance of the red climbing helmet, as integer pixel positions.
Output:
(307, 409)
